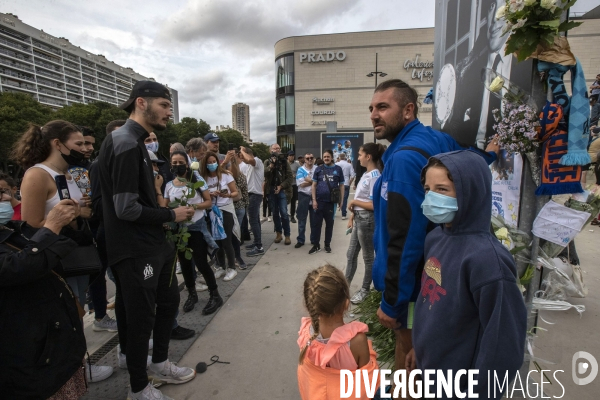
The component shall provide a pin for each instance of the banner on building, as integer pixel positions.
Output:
(469, 39)
(346, 143)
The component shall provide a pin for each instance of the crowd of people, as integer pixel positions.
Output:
(420, 215)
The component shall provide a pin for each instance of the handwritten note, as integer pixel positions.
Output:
(558, 224)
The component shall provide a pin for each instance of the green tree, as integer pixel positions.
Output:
(261, 150)
(230, 137)
(94, 115)
(189, 128)
(167, 137)
(17, 111)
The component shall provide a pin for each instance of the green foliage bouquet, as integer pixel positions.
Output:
(533, 22)
(178, 233)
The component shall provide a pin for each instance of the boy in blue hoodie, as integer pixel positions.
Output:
(469, 313)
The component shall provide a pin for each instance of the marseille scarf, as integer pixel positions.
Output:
(557, 178)
(576, 109)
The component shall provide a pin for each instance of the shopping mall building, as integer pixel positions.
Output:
(330, 78)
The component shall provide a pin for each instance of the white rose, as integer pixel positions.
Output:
(195, 166)
(548, 4)
(501, 12)
(496, 84)
(530, 2)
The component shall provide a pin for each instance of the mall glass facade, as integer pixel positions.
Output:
(284, 66)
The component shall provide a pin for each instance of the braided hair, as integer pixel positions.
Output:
(325, 294)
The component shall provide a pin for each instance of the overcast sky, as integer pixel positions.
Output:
(215, 53)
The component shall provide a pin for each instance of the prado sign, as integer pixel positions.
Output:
(420, 69)
(320, 57)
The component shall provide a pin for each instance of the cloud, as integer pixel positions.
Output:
(203, 87)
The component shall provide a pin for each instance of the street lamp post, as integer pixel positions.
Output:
(376, 73)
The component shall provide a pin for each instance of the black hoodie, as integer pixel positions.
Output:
(470, 313)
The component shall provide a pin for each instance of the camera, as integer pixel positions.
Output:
(278, 159)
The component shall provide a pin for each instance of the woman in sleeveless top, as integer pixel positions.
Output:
(46, 152)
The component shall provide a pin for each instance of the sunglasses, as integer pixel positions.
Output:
(309, 158)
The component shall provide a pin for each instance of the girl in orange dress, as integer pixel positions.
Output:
(327, 344)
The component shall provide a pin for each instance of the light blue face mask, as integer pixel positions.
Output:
(153, 147)
(193, 159)
(6, 212)
(155, 173)
(438, 208)
(212, 167)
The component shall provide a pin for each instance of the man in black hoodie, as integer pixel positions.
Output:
(469, 314)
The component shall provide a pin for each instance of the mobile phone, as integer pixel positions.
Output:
(349, 231)
(223, 191)
(62, 187)
(231, 146)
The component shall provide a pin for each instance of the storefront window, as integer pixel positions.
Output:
(284, 67)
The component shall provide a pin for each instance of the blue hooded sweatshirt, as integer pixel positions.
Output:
(470, 313)
(400, 226)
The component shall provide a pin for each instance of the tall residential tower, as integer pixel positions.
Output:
(240, 116)
(57, 73)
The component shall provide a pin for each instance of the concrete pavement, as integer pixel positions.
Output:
(257, 329)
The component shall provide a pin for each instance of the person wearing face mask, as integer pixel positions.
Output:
(151, 143)
(176, 189)
(43, 344)
(469, 307)
(8, 187)
(46, 152)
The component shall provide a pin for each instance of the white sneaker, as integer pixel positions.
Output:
(270, 219)
(178, 268)
(170, 373)
(231, 273)
(97, 373)
(359, 296)
(344, 217)
(200, 279)
(263, 219)
(105, 324)
(149, 393)
(219, 272)
(122, 359)
(201, 287)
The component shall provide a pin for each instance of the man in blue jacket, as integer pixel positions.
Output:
(400, 226)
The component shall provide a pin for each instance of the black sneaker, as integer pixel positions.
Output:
(298, 245)
(250, 246)
(315, 248)
(327, 249)
(181, 333)
(256, 252)
(293, 220)
(241, 264)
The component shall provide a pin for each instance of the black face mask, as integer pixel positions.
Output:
(179, 170)
(74, 157)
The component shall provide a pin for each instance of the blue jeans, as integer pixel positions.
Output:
(361, 239)
(304, 210)
(255, 200)
(281, 219)
(345, 203)
(324, 212)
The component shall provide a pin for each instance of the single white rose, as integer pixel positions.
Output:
(530, 2)
(496, 84)
(195, 166)
(501, 12)
(548, 4)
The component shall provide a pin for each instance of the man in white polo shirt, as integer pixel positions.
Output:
(252, 167)
(349, 175)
